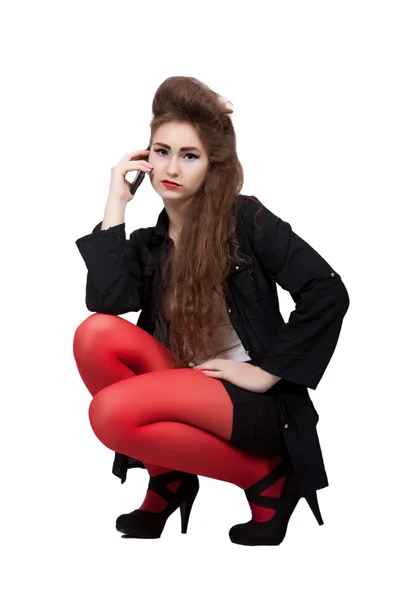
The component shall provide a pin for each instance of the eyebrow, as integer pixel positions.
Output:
(183, 147)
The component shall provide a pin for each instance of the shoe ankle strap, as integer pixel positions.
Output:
(253, 493)
(158, 483)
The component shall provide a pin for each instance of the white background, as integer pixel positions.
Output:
(315, 92)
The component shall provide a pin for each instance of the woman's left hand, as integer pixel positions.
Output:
(244, 375)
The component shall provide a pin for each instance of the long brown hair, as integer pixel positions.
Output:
(207, 243)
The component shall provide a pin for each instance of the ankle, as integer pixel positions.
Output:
(153, 501)
(264, 494)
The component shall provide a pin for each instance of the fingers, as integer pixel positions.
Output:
(137, 153)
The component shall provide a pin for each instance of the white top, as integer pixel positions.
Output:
(225, 341)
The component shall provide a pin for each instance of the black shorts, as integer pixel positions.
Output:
(257, 425)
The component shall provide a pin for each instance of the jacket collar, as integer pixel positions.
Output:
(160, 231)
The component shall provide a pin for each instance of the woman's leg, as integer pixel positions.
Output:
(108, 349)
(169, 418)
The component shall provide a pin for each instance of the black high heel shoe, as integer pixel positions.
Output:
(272, 532)
(146, 524)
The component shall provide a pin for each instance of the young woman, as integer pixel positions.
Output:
(211, 381)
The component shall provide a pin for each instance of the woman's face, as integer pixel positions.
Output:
(186, 167)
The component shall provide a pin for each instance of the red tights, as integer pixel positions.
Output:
(167, 418)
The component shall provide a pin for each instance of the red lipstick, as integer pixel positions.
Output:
(169, 184)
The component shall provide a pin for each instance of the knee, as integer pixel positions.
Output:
(104, 420)
(88, 332)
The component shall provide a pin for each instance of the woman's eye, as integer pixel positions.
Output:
(188, 154)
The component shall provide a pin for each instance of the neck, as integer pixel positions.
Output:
(176, 216)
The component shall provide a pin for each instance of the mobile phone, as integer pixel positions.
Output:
(139, 177)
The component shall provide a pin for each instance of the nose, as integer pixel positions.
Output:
(172, 170)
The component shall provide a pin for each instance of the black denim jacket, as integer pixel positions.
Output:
(125, 275)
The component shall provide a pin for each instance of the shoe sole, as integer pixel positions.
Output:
(136, 534)
(253, 543)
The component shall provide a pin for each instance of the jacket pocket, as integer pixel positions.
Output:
(247, 290)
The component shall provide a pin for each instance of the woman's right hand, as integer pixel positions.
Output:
(119, 186)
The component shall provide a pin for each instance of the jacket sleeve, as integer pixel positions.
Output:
(114, 283)
(301, 348)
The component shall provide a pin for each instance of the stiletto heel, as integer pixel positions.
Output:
(185, 509)
(312, 500)
(272, 532)
(147, 524)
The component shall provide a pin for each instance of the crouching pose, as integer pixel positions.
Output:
(211, 381)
